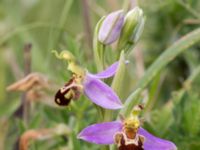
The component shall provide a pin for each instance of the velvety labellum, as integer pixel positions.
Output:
(65, 94)
(125, 143)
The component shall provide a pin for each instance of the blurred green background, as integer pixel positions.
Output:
(173, 110)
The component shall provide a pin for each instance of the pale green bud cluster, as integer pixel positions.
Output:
(125, 28)
(132, 28)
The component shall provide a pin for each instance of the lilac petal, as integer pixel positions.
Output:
(102, 133)
(100, 93)
(154, 143)
(111, 27)
(108, 72)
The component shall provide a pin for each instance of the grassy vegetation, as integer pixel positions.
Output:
(164, 66)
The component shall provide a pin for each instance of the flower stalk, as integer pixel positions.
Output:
(98, 47)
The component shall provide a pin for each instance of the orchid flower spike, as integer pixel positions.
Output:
(126, 134)
(83, 81)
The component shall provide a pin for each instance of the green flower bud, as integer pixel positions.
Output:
(138, 31)
(131, 24)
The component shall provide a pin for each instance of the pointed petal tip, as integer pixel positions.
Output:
(174, 147)
(119, 106)
(79, 136)
(108, 72)
(113, 106)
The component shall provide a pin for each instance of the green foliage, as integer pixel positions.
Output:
(169, 86)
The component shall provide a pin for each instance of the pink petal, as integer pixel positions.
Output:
(108, 72)
(100, 93)
(155, 143)
(102, 133)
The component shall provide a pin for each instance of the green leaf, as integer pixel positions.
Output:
(162, 119)
(166, 57)
(75, 141)
(191, 115)
(131, 101)
(35, 121)
(10, 108)
(116, 83)
(118, 79)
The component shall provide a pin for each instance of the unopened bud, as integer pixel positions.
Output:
(111, 27)
(132, 20)
(138, 31)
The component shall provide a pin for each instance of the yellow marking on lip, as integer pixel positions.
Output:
(58, 101)
(70, 94)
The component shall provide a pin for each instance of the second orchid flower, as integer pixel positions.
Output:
(126, 134)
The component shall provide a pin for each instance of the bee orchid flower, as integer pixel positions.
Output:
(127, 135)
(90, 84)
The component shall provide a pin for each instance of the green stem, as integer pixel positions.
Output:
(63, 19)
(126, 5)
(98, 47)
